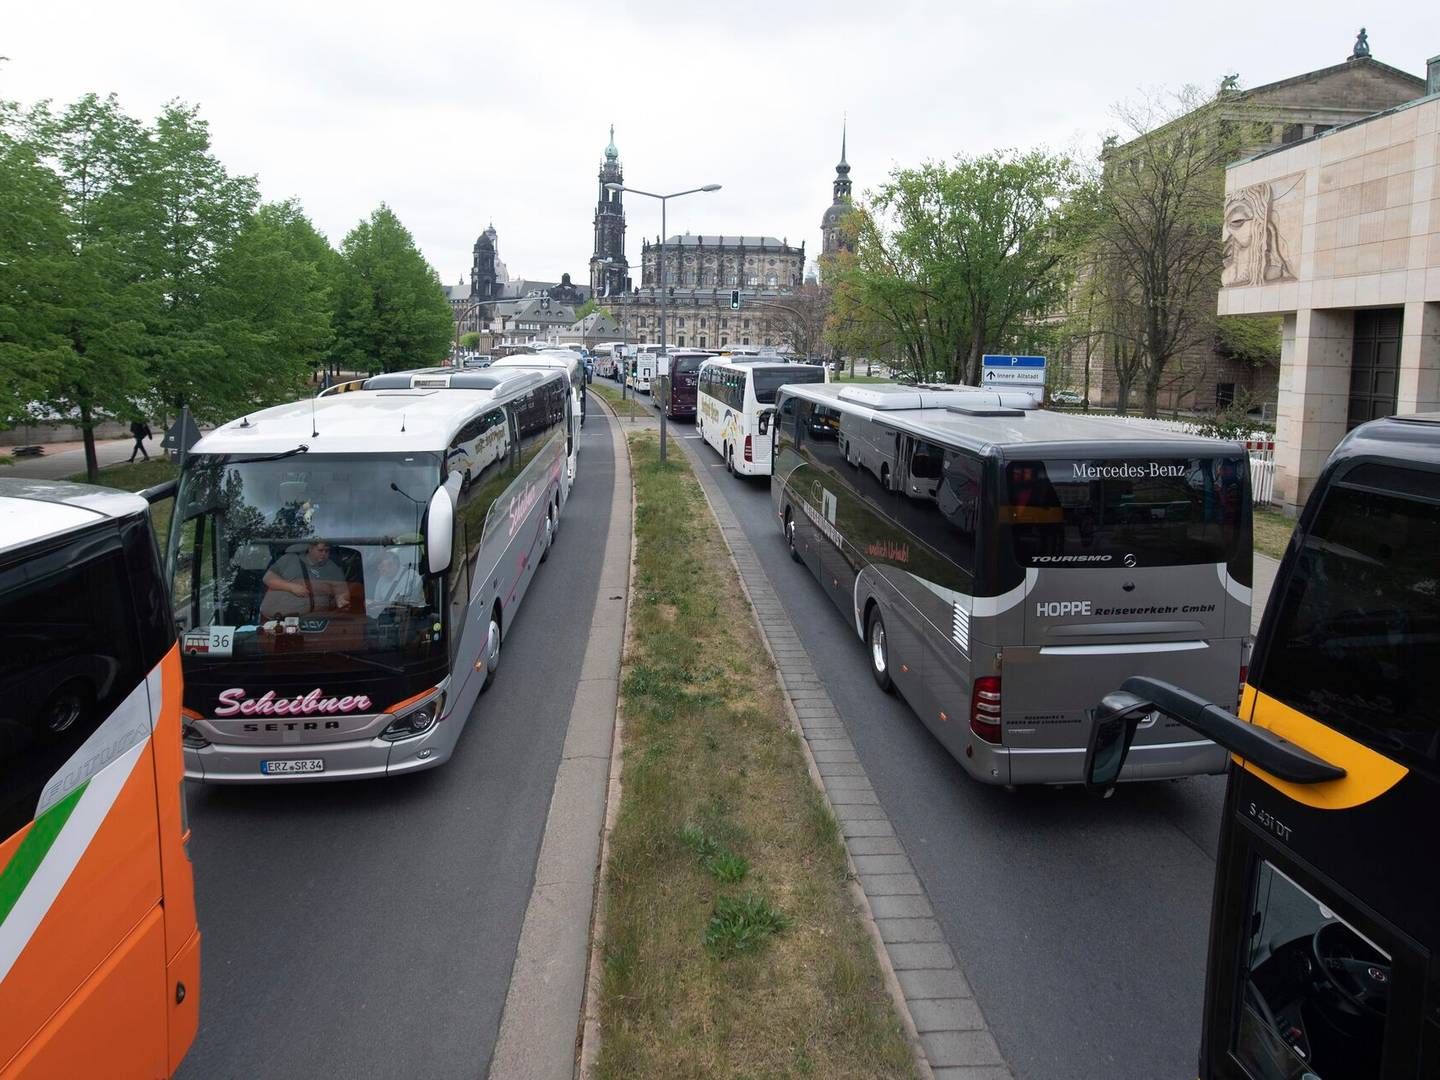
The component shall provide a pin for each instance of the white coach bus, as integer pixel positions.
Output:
(344, 570)
(1007, 566)
(734, 400)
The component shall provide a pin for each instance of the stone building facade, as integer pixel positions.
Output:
(760, 263)
(1339, 235)
(609, 269)
(1291, 110)
(700, 318)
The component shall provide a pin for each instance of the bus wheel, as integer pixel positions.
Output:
(549, 533)
(730, 459)
(492, 647)
(878, 648)
(790, 534)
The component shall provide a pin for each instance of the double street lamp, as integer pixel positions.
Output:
(664, 346)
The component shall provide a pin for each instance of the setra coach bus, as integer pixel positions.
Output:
(1325, 928)
(1004, 564)
(99, 947)
(344, 571)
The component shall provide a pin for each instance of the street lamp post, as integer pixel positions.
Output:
(664, 344)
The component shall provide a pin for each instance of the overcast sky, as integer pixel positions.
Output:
(459, 114)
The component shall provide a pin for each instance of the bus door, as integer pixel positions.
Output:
(95, 971)
(1307, 979)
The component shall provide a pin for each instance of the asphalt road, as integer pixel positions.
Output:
(1082, 925)
(368, 929)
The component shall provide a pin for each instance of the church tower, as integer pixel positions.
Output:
(482, 268)
(608, 267)
(832, 237)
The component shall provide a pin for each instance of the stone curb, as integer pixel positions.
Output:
(943, 1021)
(541, 1031)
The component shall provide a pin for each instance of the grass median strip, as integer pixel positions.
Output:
(1272, 531)
(626, 406)
(731, 947)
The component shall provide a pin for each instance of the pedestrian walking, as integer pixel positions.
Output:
(141, 430)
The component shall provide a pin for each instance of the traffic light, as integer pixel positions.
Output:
(734, 299)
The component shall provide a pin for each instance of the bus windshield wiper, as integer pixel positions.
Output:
(391, 668)
(279, 456)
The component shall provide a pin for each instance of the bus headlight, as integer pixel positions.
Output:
(415, 721)
(191, 738)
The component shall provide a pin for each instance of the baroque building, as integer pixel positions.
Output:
(609, 270)
(760, 263)
(1297, 108)
(832, 237)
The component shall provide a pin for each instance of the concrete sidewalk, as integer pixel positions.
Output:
(62, 460)
(544, 1007)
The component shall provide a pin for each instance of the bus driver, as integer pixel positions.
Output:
(300, 583)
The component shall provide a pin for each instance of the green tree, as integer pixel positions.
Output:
(1161, 198)
(470, 340)
(959, 260)
(34, 259)
(190, 212)
(269, 310)
(391, 313)
(98, 297)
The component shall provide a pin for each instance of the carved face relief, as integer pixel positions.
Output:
(1261, 229)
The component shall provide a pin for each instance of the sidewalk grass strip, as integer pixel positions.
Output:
(731, 945)
(628, 406)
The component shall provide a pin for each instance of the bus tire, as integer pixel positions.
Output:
(730, 459)
(549, 532)
(790, 535)
(877, 648)
(492, 646)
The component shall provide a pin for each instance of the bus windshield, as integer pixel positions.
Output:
(769, 379)
(1113, 512)
(303, 556)
(688, 363)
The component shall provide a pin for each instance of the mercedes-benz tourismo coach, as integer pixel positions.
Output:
(1006, 566)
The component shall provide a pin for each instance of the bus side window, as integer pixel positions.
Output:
(785, 422)
(959, 502)
(1359, 621)
(68, 659)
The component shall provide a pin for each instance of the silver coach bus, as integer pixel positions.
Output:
(343, 571)
(1007, 565)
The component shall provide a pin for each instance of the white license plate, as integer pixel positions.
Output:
(299, 765)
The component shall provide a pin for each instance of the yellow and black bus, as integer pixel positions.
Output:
(1326, 915)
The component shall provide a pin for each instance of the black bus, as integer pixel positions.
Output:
(1326, 912)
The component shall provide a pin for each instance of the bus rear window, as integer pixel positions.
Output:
(1109, 512)
(1358, 635)
(688, 363)
(768, 380)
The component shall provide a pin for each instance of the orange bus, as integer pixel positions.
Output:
(99, 947)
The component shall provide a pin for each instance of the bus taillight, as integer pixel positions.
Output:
(985, 708)
(749, 452)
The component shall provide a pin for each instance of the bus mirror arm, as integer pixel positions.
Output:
(1114, 724)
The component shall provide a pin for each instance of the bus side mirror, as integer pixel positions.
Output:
(764, 424)
(1112, 729)
(440, 530)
